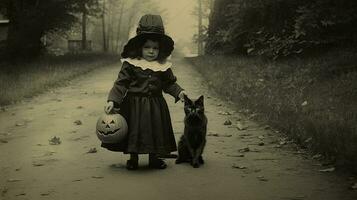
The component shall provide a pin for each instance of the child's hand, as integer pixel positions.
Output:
(109, 107)
(181, 95)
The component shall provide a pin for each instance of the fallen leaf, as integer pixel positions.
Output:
(4, 190)
(266, 127)
(92, 150)
(224, 113)
(19, 124)
(49, 153)
(261, 137)
(317, 156)
(227, 122)
(219, 135)
(227, 135)
(78, 122)
(327, 170)
(241, 126)
(3, 141)
(308, 140)
(239, 166)
(79, 107)
(238, 155)
(55, 141)
(252, 116)
(262, 178)
(304, 103)
(245, 149)
(38, 164)
(98, 177)
(245, 134)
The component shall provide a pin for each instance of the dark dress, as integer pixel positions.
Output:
(138, 94)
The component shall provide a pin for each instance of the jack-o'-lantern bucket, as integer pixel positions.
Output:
(111, 128)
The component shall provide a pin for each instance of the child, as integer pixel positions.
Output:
(145, 73)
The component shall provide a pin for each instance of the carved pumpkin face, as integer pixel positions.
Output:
(111, 128)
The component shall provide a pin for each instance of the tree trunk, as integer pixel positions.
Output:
(105, 48)
(119, 25)
(199, 41)
(84, 28)
(109, 31)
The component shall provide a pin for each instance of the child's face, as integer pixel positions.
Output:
(150, 50)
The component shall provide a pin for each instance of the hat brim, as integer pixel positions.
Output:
(166, 44)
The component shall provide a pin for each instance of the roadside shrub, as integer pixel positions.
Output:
(280, 28)
(296, 97)
(23, 80)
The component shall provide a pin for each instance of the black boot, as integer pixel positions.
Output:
(132, 164)
(156, 163)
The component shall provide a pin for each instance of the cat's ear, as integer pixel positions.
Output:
(200, 100)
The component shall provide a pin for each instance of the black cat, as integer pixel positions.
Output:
(193, 141)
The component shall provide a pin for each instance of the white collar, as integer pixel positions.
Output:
(143, 64)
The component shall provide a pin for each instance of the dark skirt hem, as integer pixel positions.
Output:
(149, 126)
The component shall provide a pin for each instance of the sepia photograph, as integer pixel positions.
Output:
(178, 99)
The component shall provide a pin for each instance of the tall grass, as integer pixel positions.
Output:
(313, 100)
(23, 80)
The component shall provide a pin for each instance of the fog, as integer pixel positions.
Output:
(178, 18)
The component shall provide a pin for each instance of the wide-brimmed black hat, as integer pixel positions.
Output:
(150, 27)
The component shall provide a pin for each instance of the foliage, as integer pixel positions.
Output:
(278, 28)
(315, 108)
(24, 80)
(32, 19)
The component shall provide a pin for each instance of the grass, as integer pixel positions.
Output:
(24, 80)
(312, 100)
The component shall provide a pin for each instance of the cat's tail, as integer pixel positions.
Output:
(168, 156)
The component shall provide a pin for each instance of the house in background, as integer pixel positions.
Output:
(4, 24)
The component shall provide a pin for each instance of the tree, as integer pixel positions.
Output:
(280, 28)
(202, 12)
(114, 32)
(86, 8)
(30, 20)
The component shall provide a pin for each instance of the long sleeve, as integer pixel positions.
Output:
(170, 86)
(120, 87)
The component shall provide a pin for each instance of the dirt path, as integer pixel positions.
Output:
(31, 168)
